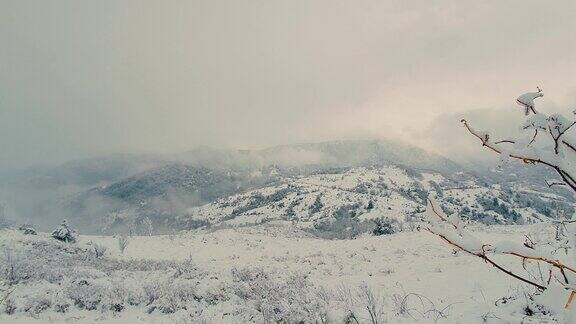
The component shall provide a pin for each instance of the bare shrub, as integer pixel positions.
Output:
(361, 303)
(98, 250)
(372, 304)
(418, 307)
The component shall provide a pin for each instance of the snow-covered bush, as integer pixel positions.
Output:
(28, 230)
(385, 226)
(100, 293)
(548, 143)
(98, 250)
(58, 277)
(346, 224)
(14, 266)
(64, 233)
(289, 300)
(171, 294)
(43, 298)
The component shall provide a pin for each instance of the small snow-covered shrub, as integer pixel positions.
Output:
(14, 266)
(27, 229)
(106, 294)
(64, 233)
(186, 269)
(282, 300)
(39, 300)
(174, 294)
(98, 250)
(385, 226)
(342, 228)
(86, 294)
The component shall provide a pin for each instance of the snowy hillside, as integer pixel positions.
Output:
(311, 184)
(381, 192)
(259, 274)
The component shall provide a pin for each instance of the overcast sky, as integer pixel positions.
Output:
(83, 78)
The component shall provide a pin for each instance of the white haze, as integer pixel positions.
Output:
(87, 78)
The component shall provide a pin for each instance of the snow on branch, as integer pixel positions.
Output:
(560, 157)
(457, 236)
(527, 101)
(554, 127)
(451, 230)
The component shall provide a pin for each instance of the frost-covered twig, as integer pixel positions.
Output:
(561, 159)
(555, 125)
(452, 231)
(468, 244)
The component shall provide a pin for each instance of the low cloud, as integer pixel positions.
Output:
(82, 79)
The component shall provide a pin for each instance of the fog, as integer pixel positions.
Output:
(80, 79)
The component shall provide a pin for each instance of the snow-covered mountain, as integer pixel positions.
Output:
(394, 192)
(315, 185)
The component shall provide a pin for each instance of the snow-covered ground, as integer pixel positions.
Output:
(237, 274)
(368, 193)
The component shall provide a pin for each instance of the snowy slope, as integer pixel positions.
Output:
(362, 192)
(236, 275)
(388, 191)
(310, 184)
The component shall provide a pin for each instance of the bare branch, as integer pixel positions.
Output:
(533, 137)
(496, 149)
(570, 299)
(570, 181)
(485, 258)
(569, 145)
(505, 141)
(485, 248)
(554, 183)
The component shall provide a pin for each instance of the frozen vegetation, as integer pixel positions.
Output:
(259, 274)
(549, 266)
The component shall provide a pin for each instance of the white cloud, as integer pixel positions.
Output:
(80, 78)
